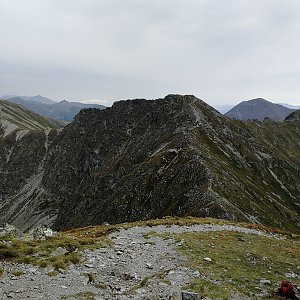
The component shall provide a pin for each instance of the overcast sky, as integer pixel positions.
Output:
(222, 51)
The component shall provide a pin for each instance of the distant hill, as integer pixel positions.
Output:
(37, 98)
(14, 118)
(63, 110)
(259, 109)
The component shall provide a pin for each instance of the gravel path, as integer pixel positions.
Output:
(136, 266)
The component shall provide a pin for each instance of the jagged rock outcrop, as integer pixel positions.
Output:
(293, 116)
(144, 159)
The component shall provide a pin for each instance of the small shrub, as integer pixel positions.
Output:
(8, 253)
(91, 277)
(1, 270)
(42, 263)
(17, 273)
(52, 273)
(59, 264)
(101, 285)
(74, 258)
(81, 295)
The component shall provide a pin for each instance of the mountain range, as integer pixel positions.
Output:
(64, 110)
(37, 98)
(143, 159)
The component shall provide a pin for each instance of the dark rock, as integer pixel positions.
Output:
(145, 159)
(186, 295)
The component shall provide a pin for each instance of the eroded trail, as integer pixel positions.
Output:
(141, 263)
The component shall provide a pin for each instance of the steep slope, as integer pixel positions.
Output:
(24, 139)
(259, 109)
(16, 118)
(63, 110)
(144, 159)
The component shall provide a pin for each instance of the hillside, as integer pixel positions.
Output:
(24, 140)
(16, 118)
(63, 110)
(259, 109)
(144, 159)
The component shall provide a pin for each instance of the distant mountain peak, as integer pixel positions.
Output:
(259, 109)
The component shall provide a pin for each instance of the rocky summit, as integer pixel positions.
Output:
(143, 159)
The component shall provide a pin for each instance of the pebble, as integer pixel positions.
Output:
(265, 281)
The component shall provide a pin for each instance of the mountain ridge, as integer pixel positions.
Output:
(37, 98)
(63, 110)
(143, 159)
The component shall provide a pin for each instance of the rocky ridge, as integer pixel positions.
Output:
(144, 159)
(293, 116)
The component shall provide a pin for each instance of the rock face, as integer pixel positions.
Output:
(259, 109)
(144, 159)
(293, 116)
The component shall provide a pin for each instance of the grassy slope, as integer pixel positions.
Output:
(239, 262)
(23, 118)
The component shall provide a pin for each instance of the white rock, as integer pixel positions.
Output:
(207, 259)
(59, 251)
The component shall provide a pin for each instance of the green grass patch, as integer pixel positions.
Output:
(17, 273)
(52, 273)
(238, 262)
(40, 252)
(82, 296)
(1, 270)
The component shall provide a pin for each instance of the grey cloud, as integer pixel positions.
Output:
(221, 51)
